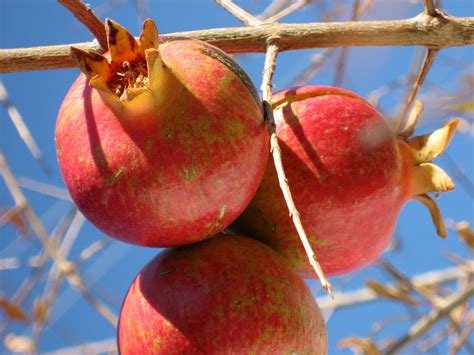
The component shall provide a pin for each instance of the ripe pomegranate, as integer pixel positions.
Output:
(349, 175)
(164, 143)
(226, 295)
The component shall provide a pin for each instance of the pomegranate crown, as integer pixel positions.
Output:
(133, 65)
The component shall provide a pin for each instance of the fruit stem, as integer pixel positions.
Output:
(269, 68)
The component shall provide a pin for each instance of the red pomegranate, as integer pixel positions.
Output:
(349, 175)
(165, 143)
(226, 295)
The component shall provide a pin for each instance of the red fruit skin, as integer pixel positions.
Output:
(346, 175)
(174, 174)
(226, 295)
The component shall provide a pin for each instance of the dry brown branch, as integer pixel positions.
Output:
(427, 62)
(425, 323)
(86, 16)
(239, 13)
(422, 30)
(269, 69)
(363, 295)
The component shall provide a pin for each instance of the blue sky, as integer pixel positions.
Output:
(38, 95)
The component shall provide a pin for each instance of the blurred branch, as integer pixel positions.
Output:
(86, 16)
(365, 294)
(425, 323)
(422, 30)
(22, 129)
(287, 10)
(238, 12)
(67, 268)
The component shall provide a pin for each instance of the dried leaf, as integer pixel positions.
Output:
(359, 345)
(40, 310)
(18, 344)
(466, 107)
(392, 293)
(13, 311)
(465, 232)
(14, 216)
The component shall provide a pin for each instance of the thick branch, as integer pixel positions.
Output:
(422, 30)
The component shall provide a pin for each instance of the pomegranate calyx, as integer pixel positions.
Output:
(134, 66)
(425, 176)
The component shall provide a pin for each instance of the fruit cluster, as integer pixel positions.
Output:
(163, 143)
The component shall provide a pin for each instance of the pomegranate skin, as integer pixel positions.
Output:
(347, 175)
(170, 172)
(226, 295)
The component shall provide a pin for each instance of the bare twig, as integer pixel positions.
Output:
(428, 61)
(313, 68)
(422, 30)
(430, 9)
(274, 7)
(86, 16)
(288, 10)
(22, 129)
(44, 189)
(425, 323)
(269, 68)
(239, 13)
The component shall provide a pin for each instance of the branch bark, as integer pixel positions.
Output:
(422, 30)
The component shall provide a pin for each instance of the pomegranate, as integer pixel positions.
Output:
(164, 143)
(226, 295)
(349, 175)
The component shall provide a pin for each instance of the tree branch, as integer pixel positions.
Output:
(363, 295)
(422, 30)
(425, 323)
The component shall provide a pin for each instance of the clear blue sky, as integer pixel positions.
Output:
(38, 95)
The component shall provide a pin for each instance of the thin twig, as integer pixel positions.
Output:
(22, 128)
(421, 30)
(341, 62)
(44, 189)
(317, 62)
(274, 7)
(239, 13)
(430, 9)
(287, 10)
(428, 61)
(86, 16)
(269, 68)
(425, 323)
